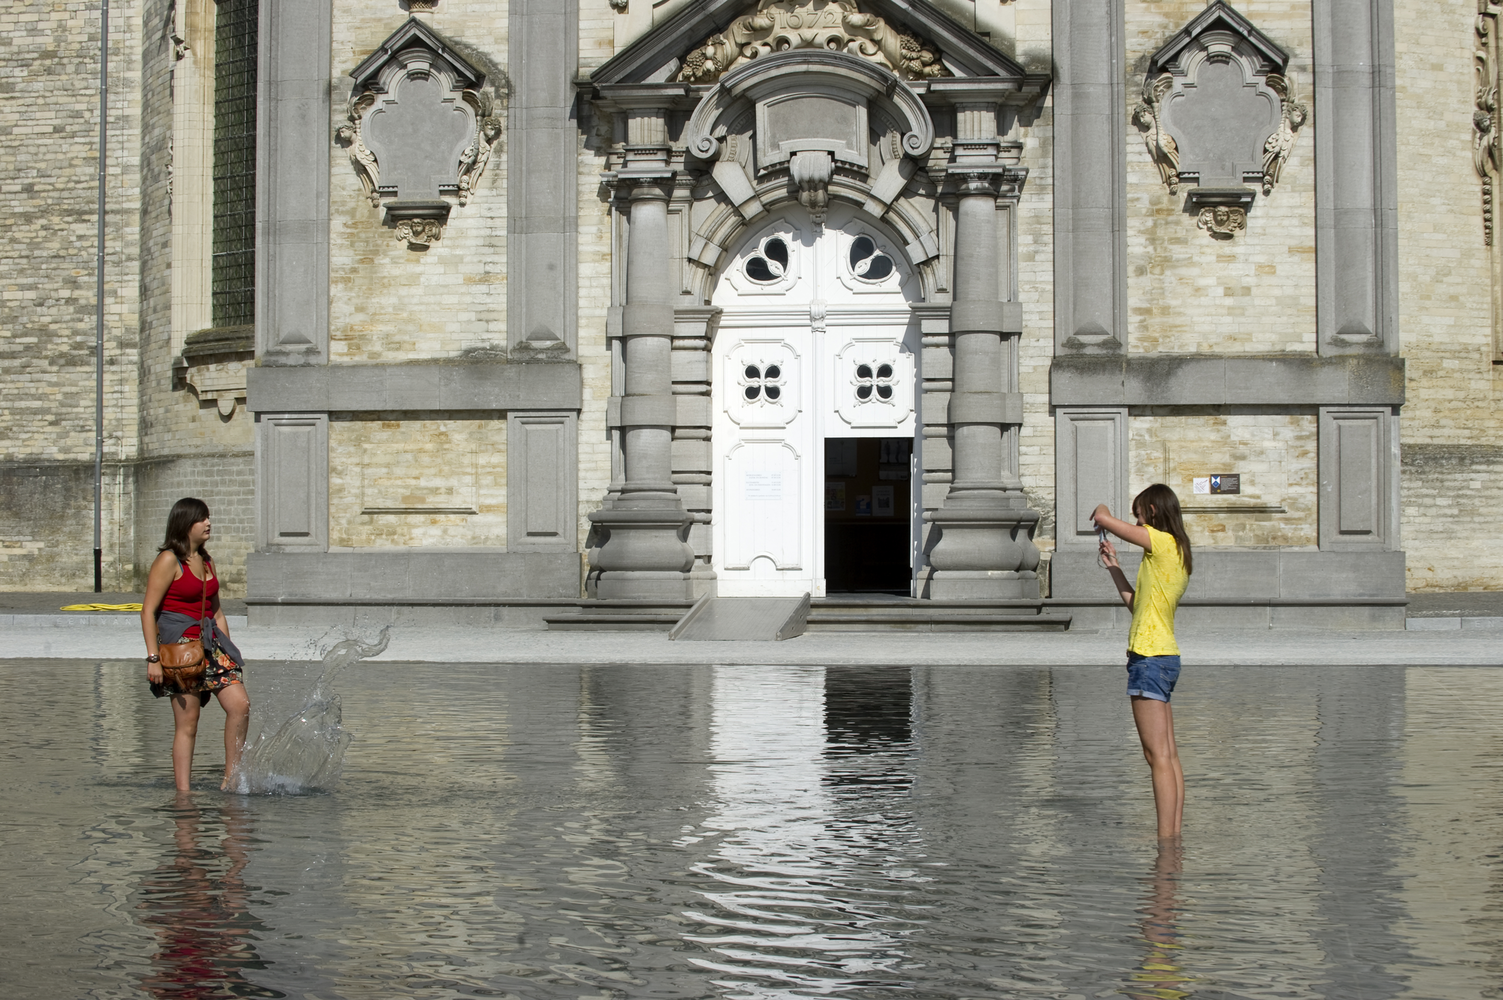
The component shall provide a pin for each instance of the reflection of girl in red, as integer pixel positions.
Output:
(196, 902)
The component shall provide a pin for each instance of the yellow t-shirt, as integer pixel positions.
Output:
(1161, 583)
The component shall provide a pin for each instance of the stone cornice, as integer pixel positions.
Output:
(1223, 380)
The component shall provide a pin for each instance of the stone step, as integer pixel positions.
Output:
(617, 622)
(918, 621)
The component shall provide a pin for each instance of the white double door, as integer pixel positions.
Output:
(816, 340)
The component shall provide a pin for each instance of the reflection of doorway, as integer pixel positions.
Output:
(867, 506)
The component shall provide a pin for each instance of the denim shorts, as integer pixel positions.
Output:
(1151, 676)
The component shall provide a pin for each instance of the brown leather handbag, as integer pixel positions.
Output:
(184, 661)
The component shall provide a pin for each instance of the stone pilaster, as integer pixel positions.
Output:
(985, 550)
(645, 553)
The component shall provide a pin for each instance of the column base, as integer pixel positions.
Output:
(645, 554)
(983, 585)
(985, 549)
(643, 585)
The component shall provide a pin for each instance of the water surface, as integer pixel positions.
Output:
(764, 832)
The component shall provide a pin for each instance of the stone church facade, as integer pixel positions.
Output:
(519, 303)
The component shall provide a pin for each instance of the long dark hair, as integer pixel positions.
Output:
(1159, 508)
(185, 514)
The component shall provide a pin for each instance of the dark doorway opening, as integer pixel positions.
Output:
(868, 520)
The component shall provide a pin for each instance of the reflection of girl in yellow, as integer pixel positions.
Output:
(1152, 653)
(1160, 975)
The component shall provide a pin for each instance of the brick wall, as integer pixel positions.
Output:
(1186, 291)
(48, 188)
(1274, 453)
(388, 303)
(421, 464)
(226, 482)
(1452, 422)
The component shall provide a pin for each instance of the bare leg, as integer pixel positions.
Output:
(185, 710)
(1155, 721)
(236, 705)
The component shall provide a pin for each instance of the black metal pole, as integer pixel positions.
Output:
(104, 69)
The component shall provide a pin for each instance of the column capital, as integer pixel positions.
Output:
(655, 183)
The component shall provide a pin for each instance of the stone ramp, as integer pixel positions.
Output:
(730, 619)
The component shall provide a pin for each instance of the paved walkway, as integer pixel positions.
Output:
(29, 630)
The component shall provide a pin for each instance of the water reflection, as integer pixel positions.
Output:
(197, 902)
(1161, 974)
(552, 833)
(814, 852)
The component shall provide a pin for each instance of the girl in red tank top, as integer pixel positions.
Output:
(186, 596)
(181, 590)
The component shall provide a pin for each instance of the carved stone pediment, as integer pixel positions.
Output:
(813, 113)
(421, 128)
(826, 25)
(1218, 110)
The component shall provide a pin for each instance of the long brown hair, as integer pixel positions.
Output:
(185, 514)
(1159, 508)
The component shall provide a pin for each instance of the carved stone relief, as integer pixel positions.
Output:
(1218, 112)
(831, 25)
(421, 127)
(1487, 146)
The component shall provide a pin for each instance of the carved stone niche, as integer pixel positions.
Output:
(1218, 113)
(814, 114)
(420, 131)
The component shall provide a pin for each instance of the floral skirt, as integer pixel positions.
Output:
(220, 671)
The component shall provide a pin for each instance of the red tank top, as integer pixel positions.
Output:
(187, 594)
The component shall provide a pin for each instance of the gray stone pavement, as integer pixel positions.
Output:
(28, 630)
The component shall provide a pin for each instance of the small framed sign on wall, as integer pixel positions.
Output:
(1222, 483)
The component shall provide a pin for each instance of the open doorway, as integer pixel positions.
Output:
(868, 490)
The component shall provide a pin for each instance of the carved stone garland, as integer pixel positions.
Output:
(832, 25)
(413, 54)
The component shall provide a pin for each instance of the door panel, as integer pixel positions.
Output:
(816, 340)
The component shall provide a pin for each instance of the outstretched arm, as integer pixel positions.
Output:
(1135, 533)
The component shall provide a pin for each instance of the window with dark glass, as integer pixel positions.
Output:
(234, 249)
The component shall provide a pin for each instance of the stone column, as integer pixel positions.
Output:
(985, 550)
(645, 554)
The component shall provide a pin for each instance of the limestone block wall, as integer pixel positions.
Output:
(1186, 291)
(401, 480)
(389, 303)
(1452, 431)
(1274, 453)
(48, 171)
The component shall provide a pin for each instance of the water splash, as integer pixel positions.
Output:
(306, 752)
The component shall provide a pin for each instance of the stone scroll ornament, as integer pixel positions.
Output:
(420, 129)
(832, 25)
(1487, 142)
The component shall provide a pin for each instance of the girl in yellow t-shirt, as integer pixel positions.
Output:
(1152, 653)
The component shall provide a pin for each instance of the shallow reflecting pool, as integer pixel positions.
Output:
(762, 832)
